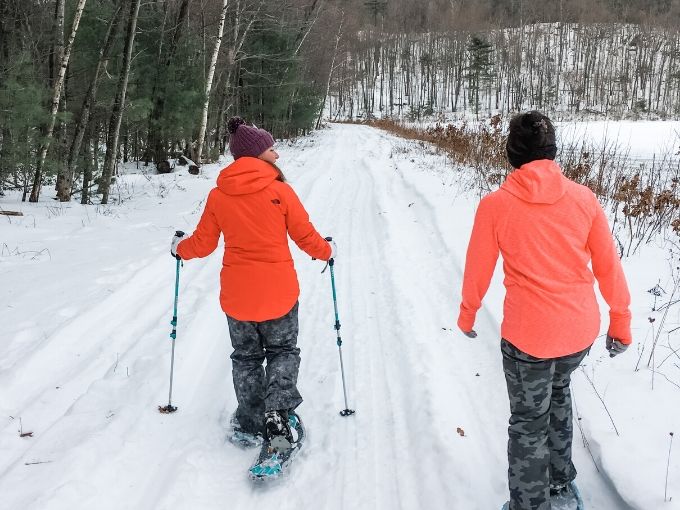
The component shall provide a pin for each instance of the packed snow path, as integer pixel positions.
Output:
(88, 358)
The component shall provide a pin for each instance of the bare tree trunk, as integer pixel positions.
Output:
(208, 84)
(234, 52)
(56, 97)
(338, 36)
(87, 169)
(65, 179)
(118, 104)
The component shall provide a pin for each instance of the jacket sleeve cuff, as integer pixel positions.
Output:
(182, 255)
(619, 327)
(466, 320)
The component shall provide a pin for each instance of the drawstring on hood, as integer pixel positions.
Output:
(538, 182)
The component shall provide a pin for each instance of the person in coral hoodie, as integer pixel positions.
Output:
(547, 229)
(256, 210)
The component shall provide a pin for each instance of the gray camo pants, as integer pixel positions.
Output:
(541, 425)
(258, 388)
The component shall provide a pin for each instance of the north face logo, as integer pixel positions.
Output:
(276, 201)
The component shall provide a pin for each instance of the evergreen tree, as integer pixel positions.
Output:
(480, 67)
(22, 95)
(272, 91)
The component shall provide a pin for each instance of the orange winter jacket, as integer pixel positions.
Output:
(547, 228)
(255, 212)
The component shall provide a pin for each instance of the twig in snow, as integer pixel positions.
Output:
(668, 465)
(583, 435)
(21, 430)
(673, 351)
(37, 462)
(601, 400)
(644, 344)
(668, 305)
(663, 319)
(669, 380)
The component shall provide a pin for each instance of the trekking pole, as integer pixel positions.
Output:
(347, 411)
(170, 408)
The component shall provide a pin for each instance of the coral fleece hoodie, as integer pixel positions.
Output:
(255, 212)
(547, 229)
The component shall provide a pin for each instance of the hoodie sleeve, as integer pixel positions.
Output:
(480, 262)
(300, 228)
(610, 278)
(206, 236)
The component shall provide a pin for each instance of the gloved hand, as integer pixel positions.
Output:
(334, 247)
(175, 241)
(470, 334)
(615, 346)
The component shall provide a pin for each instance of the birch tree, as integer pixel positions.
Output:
(56, 96)
(338, 37)
(208, 84)
(65, 178)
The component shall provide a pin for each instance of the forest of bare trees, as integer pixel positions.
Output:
(86, 85)
(605, 70)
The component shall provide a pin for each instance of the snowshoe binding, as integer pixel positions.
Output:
(566, 497)
(285, 436)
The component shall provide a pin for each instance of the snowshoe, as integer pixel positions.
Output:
(284, 441)
(566, 497)
(236, 435)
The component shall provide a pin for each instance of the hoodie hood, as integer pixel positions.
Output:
(537, 182)
(246, 175)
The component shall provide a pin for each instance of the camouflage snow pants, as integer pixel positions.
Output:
(259, 389)
(541, 426)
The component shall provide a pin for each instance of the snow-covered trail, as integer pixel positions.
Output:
(90, 388)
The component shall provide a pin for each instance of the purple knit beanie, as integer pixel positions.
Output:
(247, 140)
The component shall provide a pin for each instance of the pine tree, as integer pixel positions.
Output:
(480, 67)
(272, 91)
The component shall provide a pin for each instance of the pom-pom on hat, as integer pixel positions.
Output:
(247, 140)
(531, 137)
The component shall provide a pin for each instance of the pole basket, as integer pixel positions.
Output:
(170, 409)
(347, 412)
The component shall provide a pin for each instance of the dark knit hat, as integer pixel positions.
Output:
(247, 140)
(531, 137)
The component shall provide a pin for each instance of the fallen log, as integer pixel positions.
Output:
(11, 213)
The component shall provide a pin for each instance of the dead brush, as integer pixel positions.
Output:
(480, 147)
(644, 197)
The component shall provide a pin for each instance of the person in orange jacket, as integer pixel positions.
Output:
(547, 229)
(256, 210)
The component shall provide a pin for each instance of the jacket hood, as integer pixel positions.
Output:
(537, 182)
(246, 175)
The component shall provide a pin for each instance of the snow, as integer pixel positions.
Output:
(86, 300)
(640, 139)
